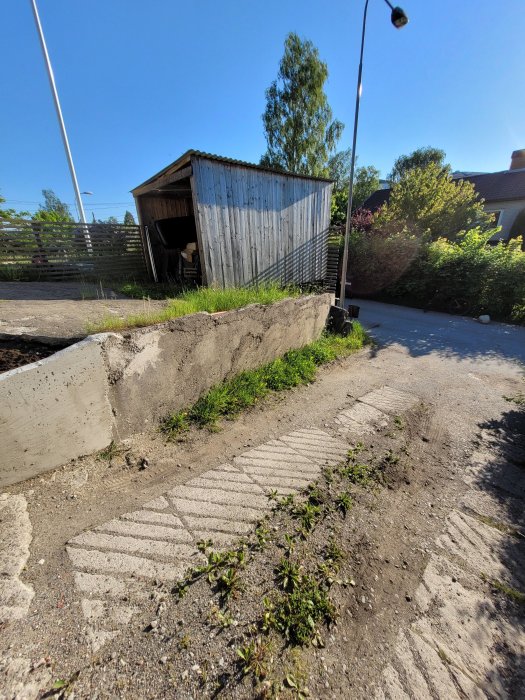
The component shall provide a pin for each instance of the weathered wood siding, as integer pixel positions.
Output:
(258, 226)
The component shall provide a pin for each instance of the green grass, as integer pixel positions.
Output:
(246, 389)
(510, 592)
(192, 301)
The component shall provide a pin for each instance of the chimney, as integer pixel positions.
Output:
(517, 159)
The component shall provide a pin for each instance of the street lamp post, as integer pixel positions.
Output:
(399, 20)
(51, 76)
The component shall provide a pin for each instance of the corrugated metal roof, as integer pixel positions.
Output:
(186, 157)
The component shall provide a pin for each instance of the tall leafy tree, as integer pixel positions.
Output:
(129, 219)
(53, 209)
(429, 201)
(419, 158)
(366, 181)
(298, 122)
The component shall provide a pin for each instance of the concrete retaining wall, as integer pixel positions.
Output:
(112, 385)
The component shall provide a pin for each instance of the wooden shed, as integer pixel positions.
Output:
(225, 223)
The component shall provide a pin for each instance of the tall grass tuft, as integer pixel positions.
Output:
(192, 301)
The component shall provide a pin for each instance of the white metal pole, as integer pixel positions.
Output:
(80, 206)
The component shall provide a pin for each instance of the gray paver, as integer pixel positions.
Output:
(15, 538)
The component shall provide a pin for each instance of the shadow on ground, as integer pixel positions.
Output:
(503, 479)
(423, 333)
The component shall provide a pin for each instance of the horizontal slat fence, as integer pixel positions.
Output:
(35, 250)
(333, 260)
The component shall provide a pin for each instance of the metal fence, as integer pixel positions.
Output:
(36, 250)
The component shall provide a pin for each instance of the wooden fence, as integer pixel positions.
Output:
(36, 250)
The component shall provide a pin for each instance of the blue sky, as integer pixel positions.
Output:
(140, 83)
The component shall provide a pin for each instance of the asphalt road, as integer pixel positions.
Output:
(423, 333)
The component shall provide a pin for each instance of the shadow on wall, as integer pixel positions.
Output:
(305, 264)
(503, 479)
(424, 333)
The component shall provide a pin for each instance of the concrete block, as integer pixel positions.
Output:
(54, 410)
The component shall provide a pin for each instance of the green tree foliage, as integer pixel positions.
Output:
(8, 214)
(129, 219)
(298, 123)
(429, 200)
(518, 227)
(419, 158)
(366, 181)
(53, 209)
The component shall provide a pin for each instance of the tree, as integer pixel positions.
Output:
(129, 219)
(299, 129)
(366, 181)
(10, 214)
(430, 201)
(419, 158)
(53, 209)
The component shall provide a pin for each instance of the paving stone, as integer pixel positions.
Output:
(390, 400)
(217, 525)
(147, 516)
(159, 503)
(225, 496)
(15, 538)
(134, 529)
(361, 419)
(116, 562)
(234, 513)
(132, 545)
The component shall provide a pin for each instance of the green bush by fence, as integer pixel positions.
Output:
(465, 276)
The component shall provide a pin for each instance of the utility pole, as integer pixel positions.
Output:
(67, 149)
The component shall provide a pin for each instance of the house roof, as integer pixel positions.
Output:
(185, 159)
(492, 187)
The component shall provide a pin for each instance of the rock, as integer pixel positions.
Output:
(163, 659)
(408, 598)
(484, 318)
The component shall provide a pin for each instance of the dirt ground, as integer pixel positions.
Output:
(57, 312)
(457, 450)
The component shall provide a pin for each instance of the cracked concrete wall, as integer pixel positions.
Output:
(158, 370)
(112, 385)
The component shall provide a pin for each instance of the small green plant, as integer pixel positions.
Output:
(253, 658)
(203, 545)
(296, 615)
(333, 552)
(308, 515)
(262, 533)
(399, 422)
(315, 495)
(289, 543)
(175, 423)
(287, 574)
(360, 474)
(222, 619)
(518, 399)
(110, 452)
(229, 582)
(343, 502)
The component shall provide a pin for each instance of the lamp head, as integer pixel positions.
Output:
(399, 18)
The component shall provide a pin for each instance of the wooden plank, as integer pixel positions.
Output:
(167, 179)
